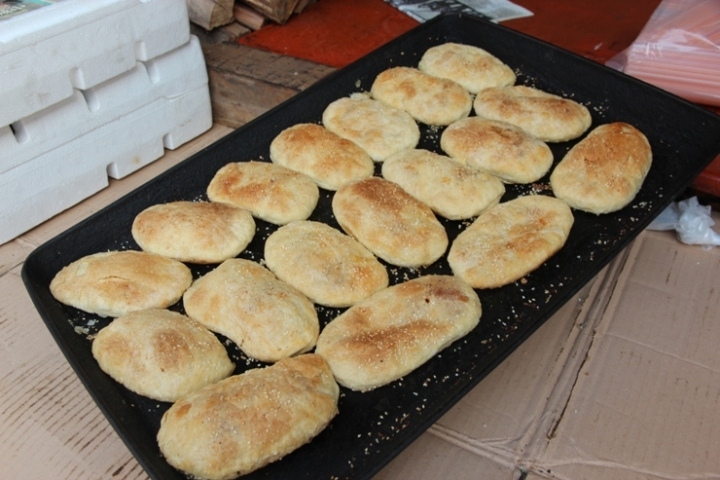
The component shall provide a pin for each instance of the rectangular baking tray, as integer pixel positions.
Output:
(374, 427)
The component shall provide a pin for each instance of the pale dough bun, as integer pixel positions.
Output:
(330, 160)
(549, 117)
(329, 267)
(472, 67)
(390, 222)
(161, 354)
(428, 99)
(451, 189)
(393, 332)
(247, 421)
(270, 192)
(377, 128)
(194, 232)
(498, 148)
(265, 317)
(114, 283)
(605, 170)
(510, 240)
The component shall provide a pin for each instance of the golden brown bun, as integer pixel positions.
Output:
(267, 318)
(114, 283)
(391, 333)
(605, 170)
(194, 232)
(161, 354)
(510, 240)
(329, 267)
(450, 188)
(549, 117)
(377, 128)
(472, 67)
(270, 192)
(390, 222)
(498, 148)
(430, 100)
(247, 421)
(330, 160)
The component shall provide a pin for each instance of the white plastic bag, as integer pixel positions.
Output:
(691, 221)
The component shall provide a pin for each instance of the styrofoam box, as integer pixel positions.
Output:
(167, 75)
(43, 187)
(48, 53)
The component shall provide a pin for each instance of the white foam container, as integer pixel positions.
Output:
(165, 76)
(54, 181)
(48, 53)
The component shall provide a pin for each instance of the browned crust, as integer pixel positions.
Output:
(270, 192)
(119, 282)
(510, 240)
(604, 171)
(161, 354)
(396, 330)
(430, 100)
(244, 422)
(330, 160)
(498, 148)
(390, 222)
(195, 232)
(472, 67)
(549, 117)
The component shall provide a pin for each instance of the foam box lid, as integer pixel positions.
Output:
(76, 44)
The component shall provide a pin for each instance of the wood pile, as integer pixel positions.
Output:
(253, 14)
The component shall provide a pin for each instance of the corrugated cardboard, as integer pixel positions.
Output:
(622, 383)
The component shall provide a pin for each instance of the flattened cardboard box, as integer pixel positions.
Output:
(622, 383)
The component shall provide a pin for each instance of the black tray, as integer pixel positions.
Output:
(374, 427)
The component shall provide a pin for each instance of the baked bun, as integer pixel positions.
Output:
(510, 240)
(161, 354)
(114, 283)
(270, 192)
(329, 267)
(390, 222)
(393, 332)
(472, 67)
(497, 148)
(247, 421)
(377, 128)
(428, 99)
(605, 170)
(194, 232)
(549, 117)
(330, 160)
(242, 300)
(451, 189)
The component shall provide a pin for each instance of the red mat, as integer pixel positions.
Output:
(333, 32)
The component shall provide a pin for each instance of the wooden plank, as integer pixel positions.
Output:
(276, 10)
(249, 17)
(210, 14)
(246, 82)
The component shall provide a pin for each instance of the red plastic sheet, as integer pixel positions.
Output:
(333, 32)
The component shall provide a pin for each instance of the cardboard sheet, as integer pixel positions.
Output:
(646, 401)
